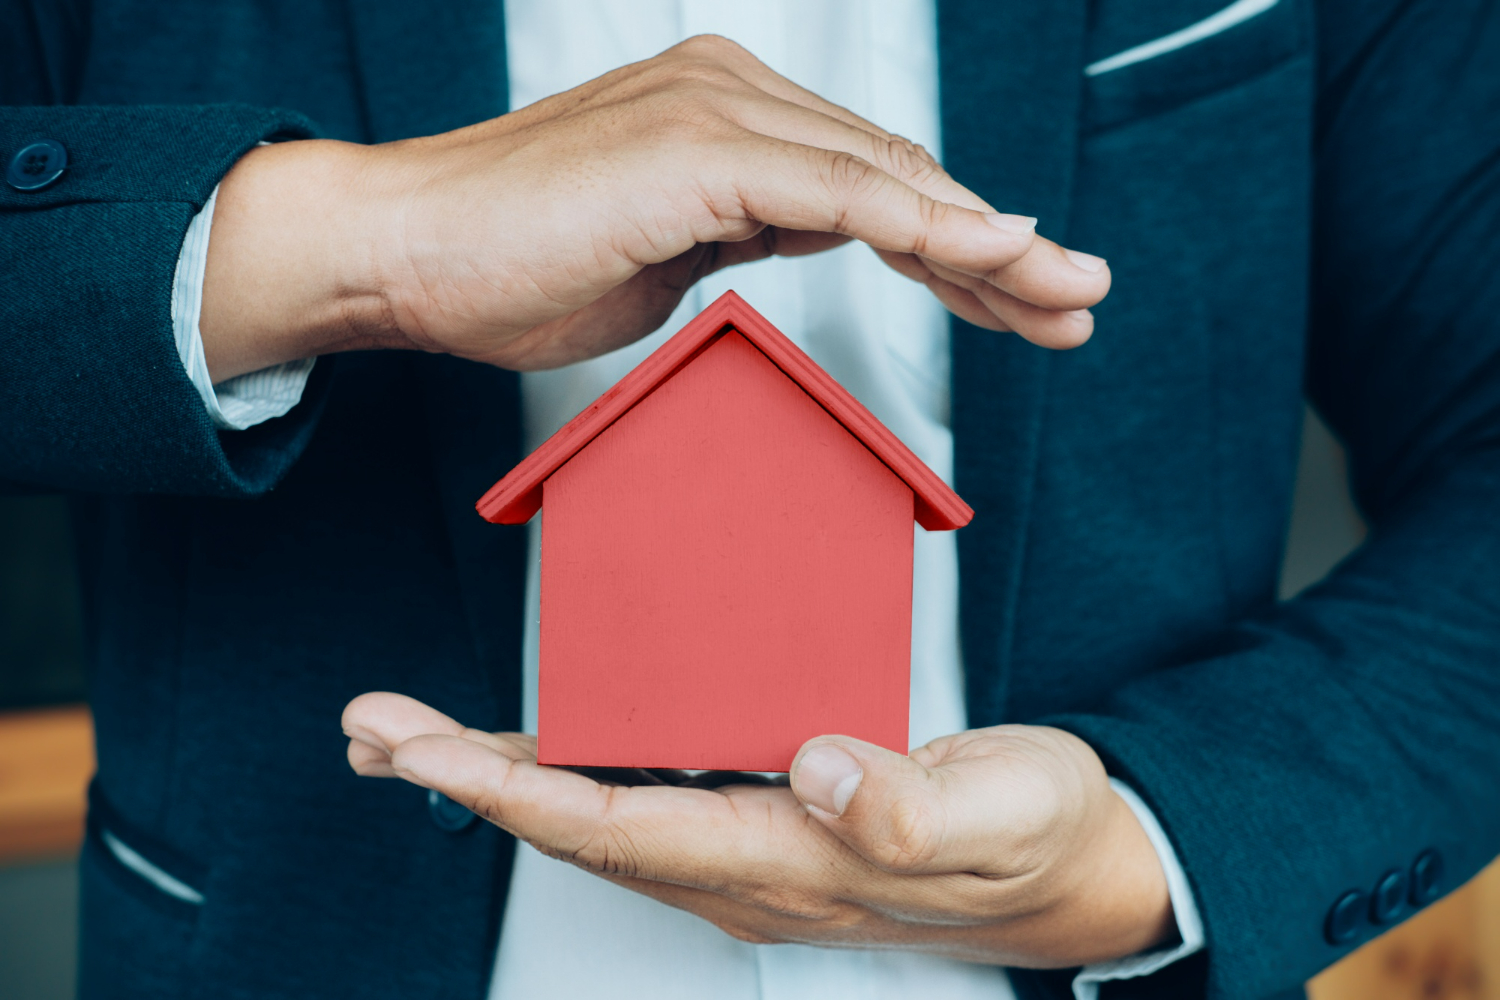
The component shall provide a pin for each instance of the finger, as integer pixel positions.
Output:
(804, 187)
(1058, 331)
(754, 97)
(965, 305)
(369, 762)
(897, 156)
(911, 819)
(661, 832)
(755, 845)
(1046, 275)
(957, 299)
(1043, 274)
(384, 720)
(989, 308)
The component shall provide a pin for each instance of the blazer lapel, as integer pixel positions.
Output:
(1011, 76)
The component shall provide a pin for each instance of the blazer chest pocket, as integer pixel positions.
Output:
(1146, 57)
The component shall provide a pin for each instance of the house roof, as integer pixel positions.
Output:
(514, 499)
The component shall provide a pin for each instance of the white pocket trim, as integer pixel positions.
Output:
(146, 870)
(1236, 13)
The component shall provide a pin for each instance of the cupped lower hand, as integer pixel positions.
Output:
(1004, 845)
(574, 226)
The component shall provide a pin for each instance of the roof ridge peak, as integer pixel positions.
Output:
(518, 496)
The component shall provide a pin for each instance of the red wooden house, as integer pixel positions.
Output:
(726, 558)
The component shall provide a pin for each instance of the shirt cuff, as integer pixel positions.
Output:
(245, 400)
(1189, 923)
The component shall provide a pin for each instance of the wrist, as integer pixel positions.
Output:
(1129, 886)
(290, 270)
(1103, 894)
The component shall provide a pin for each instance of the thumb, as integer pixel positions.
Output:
(885, 805)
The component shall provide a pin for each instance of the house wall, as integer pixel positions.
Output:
(726, 572)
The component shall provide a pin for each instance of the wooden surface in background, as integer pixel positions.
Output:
(46, 760)
(1450, 951)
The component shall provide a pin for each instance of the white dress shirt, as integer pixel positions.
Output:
(235, 403)
(566, 933)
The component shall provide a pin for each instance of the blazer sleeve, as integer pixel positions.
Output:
(1339, 736)
(93, 395)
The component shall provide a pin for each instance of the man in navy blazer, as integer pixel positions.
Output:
(1307, 203)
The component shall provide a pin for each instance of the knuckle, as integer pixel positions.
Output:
(931, 212)
(850, 180)
(711, 46)
(922, 152)
(909, 161)
(684, 112)
(695, 95)
(929, 215)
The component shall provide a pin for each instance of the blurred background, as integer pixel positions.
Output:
(1449, 952)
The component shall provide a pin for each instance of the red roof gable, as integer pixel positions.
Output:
(514, 499)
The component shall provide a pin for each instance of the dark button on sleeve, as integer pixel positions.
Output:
(37, 165)
(448, 815)
(1426, 877)
(1389, 897)
(1345, 917)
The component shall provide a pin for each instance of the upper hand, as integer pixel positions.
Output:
(574, 226)
(1002, 845)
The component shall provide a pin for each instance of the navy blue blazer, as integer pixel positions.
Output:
(1308, 202)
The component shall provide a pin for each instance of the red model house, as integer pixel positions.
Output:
(726, 558)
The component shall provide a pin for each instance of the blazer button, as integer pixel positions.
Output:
(1426, 877)
(1345, 917)
(1389, 897)
(37, 165)
(447, 815)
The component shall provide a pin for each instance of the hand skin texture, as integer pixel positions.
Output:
(1004, 845)
(573, 226)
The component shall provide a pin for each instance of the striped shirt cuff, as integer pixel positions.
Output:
(1189, 921)
(245, 400)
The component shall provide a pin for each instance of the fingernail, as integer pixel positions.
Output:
(1087, 261)
(1011, 223)
(827, 777)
